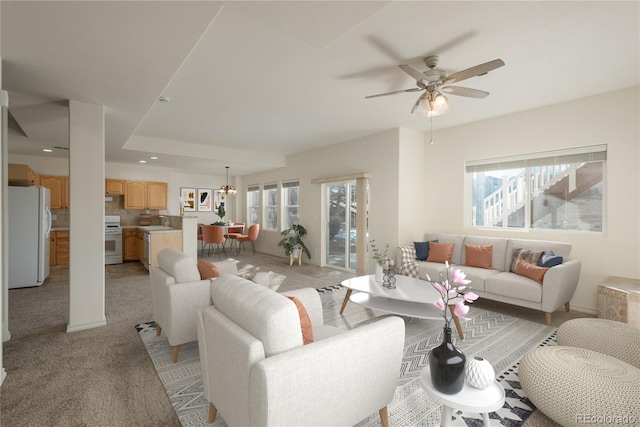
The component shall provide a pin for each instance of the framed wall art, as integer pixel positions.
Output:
(205, 201)
(188, 195)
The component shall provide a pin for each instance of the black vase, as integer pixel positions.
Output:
(446, 364)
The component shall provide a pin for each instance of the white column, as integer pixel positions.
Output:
(86, 215)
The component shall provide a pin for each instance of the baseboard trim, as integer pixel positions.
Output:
(583, 310)
(83, 326)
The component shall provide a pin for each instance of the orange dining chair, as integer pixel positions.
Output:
(251, 236)
(213, 235)
(200, 236)
(235, 230)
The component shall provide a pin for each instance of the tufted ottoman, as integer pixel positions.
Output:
(575, 386)
(616, 339)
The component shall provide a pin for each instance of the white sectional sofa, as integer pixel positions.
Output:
(499, 283)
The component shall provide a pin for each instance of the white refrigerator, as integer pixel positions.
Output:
(29, 228)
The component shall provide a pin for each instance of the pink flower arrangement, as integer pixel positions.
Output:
(453, 286)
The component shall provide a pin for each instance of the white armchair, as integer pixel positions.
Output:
(256, 370)
(178, 294)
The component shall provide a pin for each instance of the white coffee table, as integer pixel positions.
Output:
(412, 297)
(469, 399)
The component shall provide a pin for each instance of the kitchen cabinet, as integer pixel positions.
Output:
(159, 241)
(59, 247)
(145, 195)
(52, 248)
(59, 188)
(19, 174)
(130, 245)
(140, 247)
(114, 187)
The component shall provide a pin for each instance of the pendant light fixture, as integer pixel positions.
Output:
(226, 189)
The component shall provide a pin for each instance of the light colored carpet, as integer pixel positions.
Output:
(501, 339)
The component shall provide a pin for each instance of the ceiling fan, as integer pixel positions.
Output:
(435, 81)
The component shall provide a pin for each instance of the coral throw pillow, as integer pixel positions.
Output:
(523, 254)
(440, 252)
(479, 256)
(531, 271)
(305, 322)
(207, 270)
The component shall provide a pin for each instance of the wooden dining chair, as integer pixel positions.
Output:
(213, 235)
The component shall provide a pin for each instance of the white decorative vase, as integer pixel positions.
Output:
(296, 252)
(479, 373)
(378, 273)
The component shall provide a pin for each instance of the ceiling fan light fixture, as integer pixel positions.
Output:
(430, 104)
(226, 189)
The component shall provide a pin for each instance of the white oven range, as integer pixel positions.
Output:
(112, 240)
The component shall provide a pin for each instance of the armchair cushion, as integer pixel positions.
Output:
(180, 267)
(207, 270)
(305, 322)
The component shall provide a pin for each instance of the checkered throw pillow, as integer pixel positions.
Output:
(408, 263)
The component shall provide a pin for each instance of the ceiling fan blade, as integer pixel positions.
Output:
(465, 91)
(414, 72)
(478, 70)
(415, 89)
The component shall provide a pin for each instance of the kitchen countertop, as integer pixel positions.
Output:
(152, 228)
(59, 228)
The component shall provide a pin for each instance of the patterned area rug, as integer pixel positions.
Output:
(501, 339)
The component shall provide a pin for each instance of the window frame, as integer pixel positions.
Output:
(266, 208)
(542, 160)
(250, 190)
(284, 214)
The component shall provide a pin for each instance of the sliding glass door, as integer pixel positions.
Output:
(342, 211)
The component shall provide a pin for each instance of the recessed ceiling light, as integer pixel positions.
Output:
(47, 150)
(164, 99)
(142, 161)
(153, 157)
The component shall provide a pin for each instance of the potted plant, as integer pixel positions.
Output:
(380, 256)
(292, 241)
(221, 213)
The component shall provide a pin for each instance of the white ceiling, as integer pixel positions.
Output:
(253, 82)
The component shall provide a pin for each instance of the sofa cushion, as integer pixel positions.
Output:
(265, 314)
(549, 259)
(207, 270)
(456, 239)
(440, 252)
(499, 251)
(559, 248)
(514, 286)
(478, 255)
(178, 265)
(305, 322)
(477, 275)
(422, 250)
(532, 271)
(525, 255)
(433, 269)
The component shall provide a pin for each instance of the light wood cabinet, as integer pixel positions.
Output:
(59, 189)
(145, 195)
(19, 174)
(61, 247)
(140, 248)
(130, 245)
(160, 241)
(157, 195)
(52, 248)
(114, 186)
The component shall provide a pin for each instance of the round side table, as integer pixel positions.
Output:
(469, 399)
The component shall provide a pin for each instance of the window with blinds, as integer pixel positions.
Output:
(561, 189)
(290, 204)
(253, 204)
(270, 205)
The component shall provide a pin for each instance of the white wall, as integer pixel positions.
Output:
(611, 119)
(377, 155)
